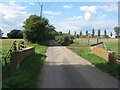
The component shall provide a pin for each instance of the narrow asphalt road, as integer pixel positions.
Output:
(65, 69)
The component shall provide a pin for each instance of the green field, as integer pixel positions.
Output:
(27, 74)
(111, 44)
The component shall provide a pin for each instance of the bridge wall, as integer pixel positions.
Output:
(19, 56)
(110, 56)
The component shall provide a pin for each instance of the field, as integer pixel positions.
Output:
(26, 75)
(111, 44)
(6, 44)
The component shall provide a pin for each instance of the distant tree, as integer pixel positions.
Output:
(1, 33)
(117, 31)
(86, 32)
(111, 34)
(93, 32)
(60, 33)
(69, 32)
(15, 34)
(75, 33)
(105, 33)
(80, 33)
(99, 33)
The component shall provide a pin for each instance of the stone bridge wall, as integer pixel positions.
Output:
(18, 56)
(110, 56)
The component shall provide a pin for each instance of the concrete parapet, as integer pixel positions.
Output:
(19, 55)
(110, 56)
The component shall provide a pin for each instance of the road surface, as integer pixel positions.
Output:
(65, 69)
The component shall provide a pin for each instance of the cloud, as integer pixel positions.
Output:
(13, 16)
(67, 6)
(14, 6)
(52, 13)
(101, 16)
(86, 25)
(87, 15)
(90, 9)
(110, 7)
(75, 18)
(31, 3)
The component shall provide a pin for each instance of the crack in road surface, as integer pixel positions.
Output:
(65, 69)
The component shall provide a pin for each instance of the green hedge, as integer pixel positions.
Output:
(64, 39)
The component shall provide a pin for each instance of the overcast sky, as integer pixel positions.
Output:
(65, 16)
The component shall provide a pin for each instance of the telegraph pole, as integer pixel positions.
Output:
(41, 9)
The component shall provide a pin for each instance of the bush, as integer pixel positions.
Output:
(64, 39)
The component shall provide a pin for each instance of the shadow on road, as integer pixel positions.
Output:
(53, 43)
(57, 75)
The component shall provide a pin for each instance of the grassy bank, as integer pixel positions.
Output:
(26, 76)
(111, 44)
(99, 62)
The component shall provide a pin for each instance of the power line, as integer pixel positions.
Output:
(38, 3)
(48, 5)
(41, 7)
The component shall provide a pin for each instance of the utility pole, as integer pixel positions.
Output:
(41, 10)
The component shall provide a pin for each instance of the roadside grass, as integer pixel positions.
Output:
(99, 62)
(26, 76)
(111, 44)
(80, 42)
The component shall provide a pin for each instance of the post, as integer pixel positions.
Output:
(14, 45)
(41, 10)
(5, 61)
(111, 57)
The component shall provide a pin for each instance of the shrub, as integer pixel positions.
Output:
(64, 39)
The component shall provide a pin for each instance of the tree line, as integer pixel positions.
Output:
(92, 34)
(38, 29)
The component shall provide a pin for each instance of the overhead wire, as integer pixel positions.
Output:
(48, 5)
(39, 3)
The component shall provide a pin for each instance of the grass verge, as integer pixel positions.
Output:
(26, 76)
(99, 62)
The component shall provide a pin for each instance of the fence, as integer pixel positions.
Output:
(15, 46)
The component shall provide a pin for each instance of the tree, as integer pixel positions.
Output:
(111, 34)
(75, 33)
(50, 32)
(77, 36)
(105, 33)
(93, 32)
(86, 32)
(80, 33)
(36, 29)
(1, 33)
(117, 31)
(99, 33)
(15, 34)
(69, 32)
